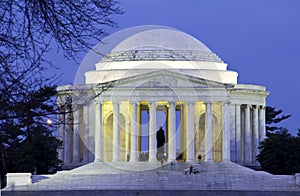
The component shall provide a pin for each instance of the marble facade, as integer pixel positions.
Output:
(207, 112)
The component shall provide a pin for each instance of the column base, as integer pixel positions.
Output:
(152, 160)
(116, 160)
(75, 161)
(134, 160)
(226, 161)
(191, 161)
(98, 160)
(84, 161)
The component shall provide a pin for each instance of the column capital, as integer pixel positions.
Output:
(98, 101)
(60, 99)
(152, 103)
(173, 103)
(228, 102)
(114, 102)
(68, 98)
(190, 102)
(134, 103)
(207, 102)
(246, 105)
(76, 107)
(262, 107)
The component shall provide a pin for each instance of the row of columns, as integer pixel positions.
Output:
(249, 130)
(245, 148)
(69, 132)
(152, 132)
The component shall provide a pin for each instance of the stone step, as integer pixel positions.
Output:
(112, 192)
(146, 176)
(166, 180)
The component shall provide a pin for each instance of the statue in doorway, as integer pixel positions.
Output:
(160, 138)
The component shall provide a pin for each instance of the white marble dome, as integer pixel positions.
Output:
(160, 49)
(161, 45)
(161, 39)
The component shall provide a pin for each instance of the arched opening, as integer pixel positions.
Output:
(216, 138)
(108, 138)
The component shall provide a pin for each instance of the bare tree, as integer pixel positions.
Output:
(28, 29)
(31, 28)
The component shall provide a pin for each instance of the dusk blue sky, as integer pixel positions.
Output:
(260, 39)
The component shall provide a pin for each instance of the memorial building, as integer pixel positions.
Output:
(156, 104)
(161, 77)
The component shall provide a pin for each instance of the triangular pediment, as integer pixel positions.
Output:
(166, 78)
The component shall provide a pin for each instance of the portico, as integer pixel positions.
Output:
(205, 127)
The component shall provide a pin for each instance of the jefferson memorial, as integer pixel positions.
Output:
(161, 77)
(157, 102)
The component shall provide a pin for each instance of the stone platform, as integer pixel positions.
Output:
(152, 177)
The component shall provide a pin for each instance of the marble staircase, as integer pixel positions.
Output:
(153, 176)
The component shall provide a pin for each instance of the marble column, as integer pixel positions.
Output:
(152, 132)
(67, 140)
(167, 131)
(243, 109)
(127, 140)
(197, 138)
(85, 155)
(172, 130)
(255, 133)
(226, 133)
(116, 132)
(61, 127)
(91, 135)
(139, 129)
(98, 131)
(76, 136)
(247, 136)
(190, 132)
(208, 132)
(134, 133)
(262, 123)
(183, 141)
(232, 132)
(238, 136)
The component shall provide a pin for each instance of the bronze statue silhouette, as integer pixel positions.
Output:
(160, 138)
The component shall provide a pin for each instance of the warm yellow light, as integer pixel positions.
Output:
(49, 122)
